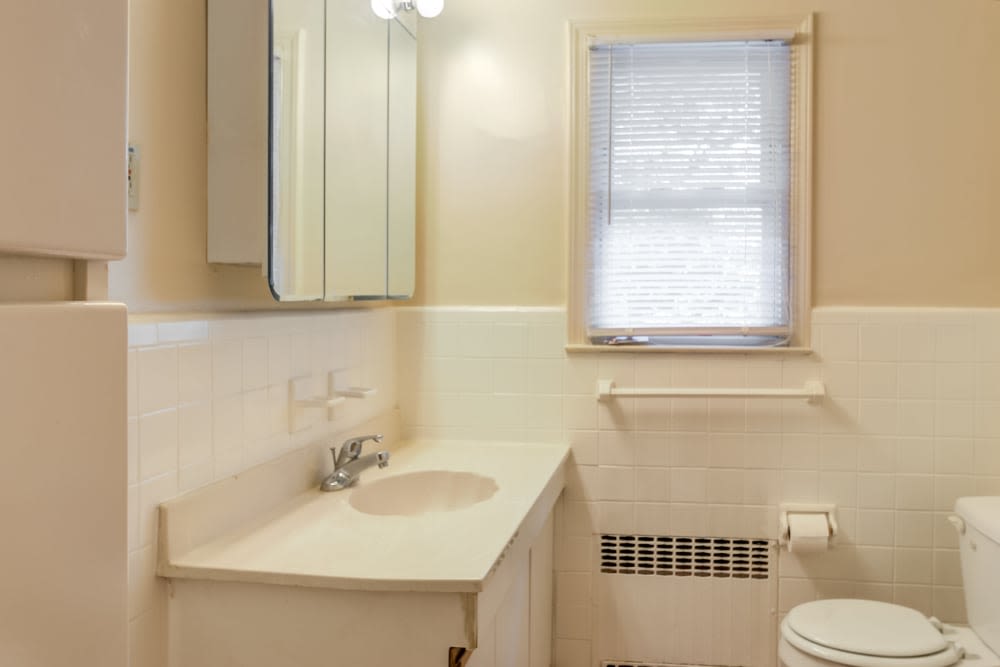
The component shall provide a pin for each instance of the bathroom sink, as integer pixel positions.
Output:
(421, 492)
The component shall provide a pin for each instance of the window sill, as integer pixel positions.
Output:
(578, 348)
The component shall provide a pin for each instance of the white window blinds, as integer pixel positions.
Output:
(689, 190)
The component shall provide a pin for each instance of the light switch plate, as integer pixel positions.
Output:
(133, 177)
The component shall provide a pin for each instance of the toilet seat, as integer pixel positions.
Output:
(864, 633)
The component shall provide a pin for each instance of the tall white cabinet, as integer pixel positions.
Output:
(63, 441)
(64, 68)
(62, 485)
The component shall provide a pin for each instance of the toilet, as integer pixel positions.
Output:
(866, 633)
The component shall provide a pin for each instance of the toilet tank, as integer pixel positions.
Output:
(980, 554)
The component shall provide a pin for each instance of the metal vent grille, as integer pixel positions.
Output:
(724, 557)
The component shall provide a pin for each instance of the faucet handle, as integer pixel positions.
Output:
(377, 437)
(351, 449)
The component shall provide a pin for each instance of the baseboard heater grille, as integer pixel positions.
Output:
(724, 557)
(639, 664)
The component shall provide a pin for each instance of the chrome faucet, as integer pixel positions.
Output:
(349, 462)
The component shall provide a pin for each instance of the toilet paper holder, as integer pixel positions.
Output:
(829, 511)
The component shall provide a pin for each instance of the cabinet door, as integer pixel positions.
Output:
(62, 485)
(542, 584)
(62, 128)
(357, 148)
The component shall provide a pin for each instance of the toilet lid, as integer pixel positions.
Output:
(866, 627)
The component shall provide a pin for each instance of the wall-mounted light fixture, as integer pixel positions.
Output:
(387, 9)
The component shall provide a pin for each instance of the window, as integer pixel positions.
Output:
(691, 187)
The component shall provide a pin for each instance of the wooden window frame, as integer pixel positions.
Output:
(798, 31)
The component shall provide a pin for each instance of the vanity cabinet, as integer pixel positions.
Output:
(311, 580)
(64, 69)
(519, 632)
(508, 624)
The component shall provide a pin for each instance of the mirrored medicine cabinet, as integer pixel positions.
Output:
(312, 160)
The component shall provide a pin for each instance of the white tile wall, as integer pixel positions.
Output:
(208, 398)
(912, 422)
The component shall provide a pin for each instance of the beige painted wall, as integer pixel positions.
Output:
(907, 208)
(907, 165)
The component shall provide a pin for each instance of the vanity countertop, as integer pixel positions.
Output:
(316, 539)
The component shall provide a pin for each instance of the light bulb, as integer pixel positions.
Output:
(384, 9)
(429, 8)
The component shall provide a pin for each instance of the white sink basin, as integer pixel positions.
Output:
(416, 493)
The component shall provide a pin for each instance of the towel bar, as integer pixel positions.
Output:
(813, 391)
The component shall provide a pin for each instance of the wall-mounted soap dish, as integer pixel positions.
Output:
(302, 397)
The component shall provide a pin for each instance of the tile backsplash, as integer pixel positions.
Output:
(911, 422)
(209, 398)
